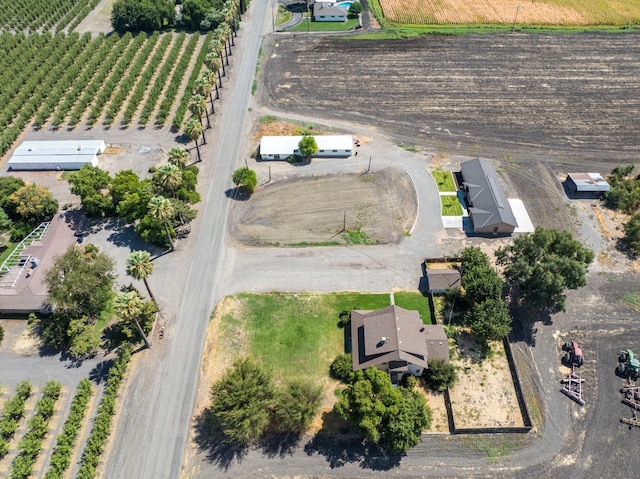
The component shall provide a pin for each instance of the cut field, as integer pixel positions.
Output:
(506, 12)
(450, 205)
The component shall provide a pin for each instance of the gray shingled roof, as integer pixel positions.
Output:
(489, 204)
(442, 279)
(323, 9)
(391, 334)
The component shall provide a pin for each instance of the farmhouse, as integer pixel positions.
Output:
(326, 12)
(586, 185)
(394, 339)
(441, 279)
(282, 147)
(489, 208)
(56, 155)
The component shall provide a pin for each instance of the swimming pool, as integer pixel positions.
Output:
(344, 4)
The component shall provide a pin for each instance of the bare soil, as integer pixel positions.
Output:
(484, 395)
(312, 209)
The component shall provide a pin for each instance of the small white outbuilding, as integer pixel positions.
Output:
(282, 147)
(56, 155)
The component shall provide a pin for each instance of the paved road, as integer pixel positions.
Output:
(155, 415)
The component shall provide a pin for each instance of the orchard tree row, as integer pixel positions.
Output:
(36, 15)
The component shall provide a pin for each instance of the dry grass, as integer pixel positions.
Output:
(539, 12)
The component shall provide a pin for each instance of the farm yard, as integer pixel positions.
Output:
(506, 12)
(539, 104)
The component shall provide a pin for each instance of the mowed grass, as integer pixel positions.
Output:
(451, 205)
(409, 17)
(306, 25)
(444, 180)
(414, 302)
(293, 335)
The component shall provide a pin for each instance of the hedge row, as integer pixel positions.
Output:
(65, 442)
(31, 443)
(102, 422)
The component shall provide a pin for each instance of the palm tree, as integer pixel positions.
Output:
(178, 156)
(140, 267)
(129, 306)
(203, 86)
(215, 51)
(198, 107)
(193, 129)
(170, 177)
(162, 210)
(211, 81)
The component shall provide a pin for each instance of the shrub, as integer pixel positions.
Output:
(440, 375)
(341, 368)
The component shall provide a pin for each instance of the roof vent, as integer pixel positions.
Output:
(383, 340)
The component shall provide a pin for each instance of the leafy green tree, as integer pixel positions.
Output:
(8, 186)
(140, 267)
(440, 375)
(355, 8)
(80, 283)
(308, 146)
(296, 404)
(182, 211)
(194, 12)
(34, 203)
(241, 400)
(342, 368)
(245, 178)
(187, 191)
(372, 404)
(125, 182)
(489, 320)
(161, 210)
(541, 265)
(91, 184)
(84, 338)
(479, 280)
(632, 232)
(134, 205)
(141, 15)
(5, 221)
(153, 231)
(624, 192)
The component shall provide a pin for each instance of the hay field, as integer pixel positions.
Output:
(535, 12)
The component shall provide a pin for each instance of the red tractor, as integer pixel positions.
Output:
(572, 354)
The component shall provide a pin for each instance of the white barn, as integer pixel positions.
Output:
(282, 147)
(56, 155)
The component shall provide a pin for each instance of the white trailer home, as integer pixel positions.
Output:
(282, 147)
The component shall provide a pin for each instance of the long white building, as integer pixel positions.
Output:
(282, 147)
(56, 155)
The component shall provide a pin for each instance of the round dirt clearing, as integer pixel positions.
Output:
(380, 207)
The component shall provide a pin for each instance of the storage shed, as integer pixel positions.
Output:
(56, 155)
(586, 185)
(440, 280)
(282, 147)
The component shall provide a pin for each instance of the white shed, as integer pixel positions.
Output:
(56, 155)
(282, 147)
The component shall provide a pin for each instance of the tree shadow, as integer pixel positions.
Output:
(238, 193)
(279, 445)
(100, 372)
(211, 441)
(623, 246)
(340, 451)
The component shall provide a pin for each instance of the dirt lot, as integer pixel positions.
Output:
(311, 209)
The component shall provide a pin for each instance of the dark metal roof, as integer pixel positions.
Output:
(489, 205)
(441, 279)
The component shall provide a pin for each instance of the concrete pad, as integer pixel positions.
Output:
(522, 217)
(452, 222)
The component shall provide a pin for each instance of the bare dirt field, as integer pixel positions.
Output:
(312, 209)
(538, 104)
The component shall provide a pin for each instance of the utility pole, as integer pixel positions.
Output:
(513, 27)
(369, 168)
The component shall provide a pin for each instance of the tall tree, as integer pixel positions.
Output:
(245, 178)
(198, 107)
(240, 401)
(129, 305)
(178, 156)
(34, 203)
(632, 232)
(160, 208)
(205, 85)
(308, 146)
(489, 320)
(140, 267)
(169, 178)
(541, 265)
(193, 130)
(296, 404)
(90, 183)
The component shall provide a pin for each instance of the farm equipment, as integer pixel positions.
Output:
(573, 354)
(628, 365)
(631, 397)
(572, 384)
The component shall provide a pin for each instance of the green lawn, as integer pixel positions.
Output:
(414, 301)
(294, 335)
(444, 180)
(284, 15)
(324, 26)
(451, 205)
